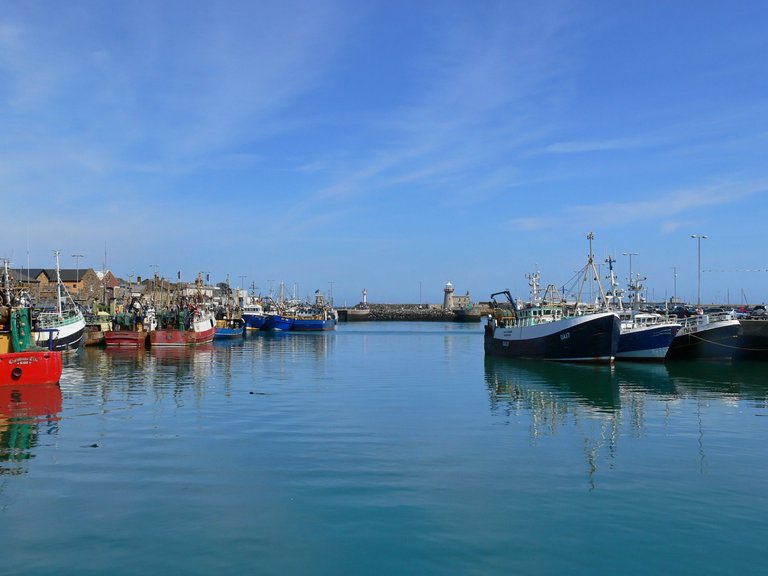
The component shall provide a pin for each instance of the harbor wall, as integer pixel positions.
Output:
(417, 312)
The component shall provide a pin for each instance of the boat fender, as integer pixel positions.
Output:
(16, 373)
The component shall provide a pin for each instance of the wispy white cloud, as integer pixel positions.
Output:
(477, 102)
(666, 212)
(609, 145)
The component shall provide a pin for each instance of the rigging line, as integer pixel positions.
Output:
(716, 343)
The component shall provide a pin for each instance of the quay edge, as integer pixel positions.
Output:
(413, 312)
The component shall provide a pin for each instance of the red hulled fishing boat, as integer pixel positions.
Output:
(22, 362)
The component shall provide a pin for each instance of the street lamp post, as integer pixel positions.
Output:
(631, 289)
(674, 284)
(699, 238)
(77, 273)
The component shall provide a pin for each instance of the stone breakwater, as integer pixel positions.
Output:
(423, 312)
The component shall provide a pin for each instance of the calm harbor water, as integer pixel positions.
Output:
(383, 448)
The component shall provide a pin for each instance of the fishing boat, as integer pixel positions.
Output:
(189, 323)
(131, 327)
(549, 328)
(228, 328)
(196, 325)
(253, 316)
(22, 361)
(752, 343)
(275, 321)
(703, 336)
(229, 323)
(96, 327)
(65, 320)
(644, 336)
(277, 318)
(316, 317)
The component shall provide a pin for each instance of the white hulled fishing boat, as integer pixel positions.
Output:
(64, 324)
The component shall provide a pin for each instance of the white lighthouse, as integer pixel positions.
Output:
(448, 298)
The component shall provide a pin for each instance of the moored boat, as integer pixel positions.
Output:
(188, 323)
(65, 322)
(706, 337)
(96, 327)
(313, 320)
(22, 362)
(552, 332)
(644, 336)
(229, 321)
(197, 325)
(752, 343)
(550, 328)
(317, 317)
(228, 328)
(253, 316)
(276, 322)
(276, 317)
(126, 338)
(131, 327)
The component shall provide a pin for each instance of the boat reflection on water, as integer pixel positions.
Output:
(743, 380)
(592, 385)
(189, 363)
(293, 344)
(25, 412)
(644, 377)
(556, 396)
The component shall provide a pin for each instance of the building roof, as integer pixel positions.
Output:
(31, 274)
(26, 274)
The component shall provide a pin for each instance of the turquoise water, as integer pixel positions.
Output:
(385, 448)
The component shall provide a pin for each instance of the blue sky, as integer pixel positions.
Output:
(392, 146)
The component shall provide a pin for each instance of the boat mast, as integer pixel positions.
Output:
(58, 283)
(616, 295)
(6, 282)
(590, 267)
(534, 280)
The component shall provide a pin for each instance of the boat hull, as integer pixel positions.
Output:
(713, 341)
(61, 338)
(647, 343)
(94, 338)
(313, 325)
(588, 338)
(178, 338)
(752, 343)
(126, 338)
(31, 367)
(229, 333)
(276, 322)
(254, 321)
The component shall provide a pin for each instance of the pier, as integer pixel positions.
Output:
(412, 312)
